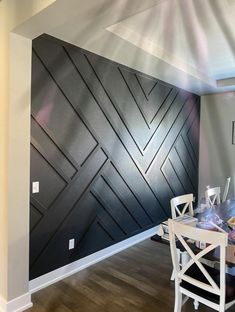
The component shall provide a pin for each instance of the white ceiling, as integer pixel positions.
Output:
(189, 43)
(196, 36)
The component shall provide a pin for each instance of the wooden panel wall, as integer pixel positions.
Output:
(109, 146)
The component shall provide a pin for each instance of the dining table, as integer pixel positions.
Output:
(224, 211)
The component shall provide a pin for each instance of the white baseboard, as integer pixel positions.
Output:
(16, 305)
(74, 267)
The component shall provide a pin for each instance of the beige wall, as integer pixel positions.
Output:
(3, 142)
(217, 154)
(15, 64)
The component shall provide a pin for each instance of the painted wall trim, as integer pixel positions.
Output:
(72, 268)
(18, 304)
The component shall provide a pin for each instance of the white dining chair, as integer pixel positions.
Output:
(181, 205)
(226, 189)
(212, 196)
(195, 280)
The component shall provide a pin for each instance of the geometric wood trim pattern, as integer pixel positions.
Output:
(110, 147)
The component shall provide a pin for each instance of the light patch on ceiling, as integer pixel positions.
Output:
(187, 43)
(155, 50)
(195, 36)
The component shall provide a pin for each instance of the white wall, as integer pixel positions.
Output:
(217, 154)
(15, 80)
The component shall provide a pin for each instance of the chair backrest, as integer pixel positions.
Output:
(212, 196)
(213, 240)
(186, 203)
(226, 188)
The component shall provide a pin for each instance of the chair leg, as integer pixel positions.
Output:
(196, 304)
(178, 299)
(222, 308)
(173, 272)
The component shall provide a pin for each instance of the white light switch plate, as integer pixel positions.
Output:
(71, 243)
(35, 187)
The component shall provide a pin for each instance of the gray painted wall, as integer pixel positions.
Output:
(128, 144)
(217, 154)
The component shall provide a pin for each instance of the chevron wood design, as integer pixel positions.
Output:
(110, 148)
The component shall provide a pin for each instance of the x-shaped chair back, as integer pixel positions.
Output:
(185, 233)
(212, 196)
(181, 205)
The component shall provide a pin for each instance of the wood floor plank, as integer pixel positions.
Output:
(135, 280)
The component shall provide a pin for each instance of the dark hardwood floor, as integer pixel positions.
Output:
(137, 279)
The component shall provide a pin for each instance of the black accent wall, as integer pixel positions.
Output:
(110, 147)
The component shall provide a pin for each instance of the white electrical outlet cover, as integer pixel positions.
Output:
(35, 187)
(71, 243)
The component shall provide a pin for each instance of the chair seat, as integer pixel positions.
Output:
(196, 273)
